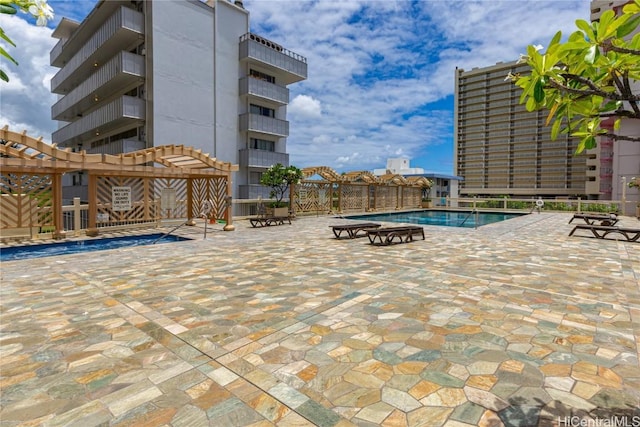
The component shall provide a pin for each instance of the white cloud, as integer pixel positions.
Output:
(304, 105)
(26, 100)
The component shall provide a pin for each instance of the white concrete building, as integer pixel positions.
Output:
(138, 74)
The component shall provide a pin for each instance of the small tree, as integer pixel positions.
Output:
(280, 178)
(588, 79)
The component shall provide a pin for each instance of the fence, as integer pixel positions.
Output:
(76, 216)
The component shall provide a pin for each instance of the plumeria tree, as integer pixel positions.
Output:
(280, 178)
(587, 79)
(38, 8)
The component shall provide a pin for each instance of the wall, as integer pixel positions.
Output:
(181, 85)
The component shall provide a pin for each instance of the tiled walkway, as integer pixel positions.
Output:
(511, 324)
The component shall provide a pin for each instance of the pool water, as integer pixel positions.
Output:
(78, 246)
(465, 219)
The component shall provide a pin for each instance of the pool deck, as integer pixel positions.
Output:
(514, 323)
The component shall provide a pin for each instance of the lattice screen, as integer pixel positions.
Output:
(144, 208)
(355, 197)
(411, 197)
(210, 190)
(313, 197)
(386, 198)
(26, 201)
(175, 200)
(148, 195)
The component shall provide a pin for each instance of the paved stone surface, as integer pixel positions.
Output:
(511, 324)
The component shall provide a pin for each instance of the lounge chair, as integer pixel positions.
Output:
(264, 220)
(602, 231)
(388, 235)
(609, 219)
(352, 230)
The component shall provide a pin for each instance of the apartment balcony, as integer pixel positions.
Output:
(122, 31)
(119, 113)
(264, 90)
(124, 71)
(117, 147)
(261, 158)
(263, 124)
(288, 66)
(254, 191)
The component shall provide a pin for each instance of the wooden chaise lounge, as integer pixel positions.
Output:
(388, 235)
(262, 221)
(609, 219)
(352, 230)
(602, 231)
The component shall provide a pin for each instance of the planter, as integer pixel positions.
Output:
(426, 204)
(278, 212)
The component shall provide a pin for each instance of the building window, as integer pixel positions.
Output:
(254, 177)
(262, 144)
(262, 76)
(263, 111)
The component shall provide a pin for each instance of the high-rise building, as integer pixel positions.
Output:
(138, 74)
(502, 149)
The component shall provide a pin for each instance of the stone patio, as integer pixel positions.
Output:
(512, 324)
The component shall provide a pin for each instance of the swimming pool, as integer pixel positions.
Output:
(77, 246)
(465, 219)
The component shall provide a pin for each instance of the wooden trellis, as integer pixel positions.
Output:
(357, 191)
(122, 188)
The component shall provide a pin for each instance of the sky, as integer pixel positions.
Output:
(381, 73)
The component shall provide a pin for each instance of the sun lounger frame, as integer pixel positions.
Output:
(384, 236)
(602, 231)
(352, 230)
(269, 221)
(591, 219)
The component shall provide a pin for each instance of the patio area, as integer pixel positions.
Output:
(513, 324)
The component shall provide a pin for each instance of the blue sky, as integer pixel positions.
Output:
(380, 73)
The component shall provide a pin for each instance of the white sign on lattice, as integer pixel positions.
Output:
(121, 198)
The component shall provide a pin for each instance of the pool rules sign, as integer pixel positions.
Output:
(121, 198)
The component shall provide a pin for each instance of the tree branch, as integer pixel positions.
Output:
(620, 137)
(594, 90)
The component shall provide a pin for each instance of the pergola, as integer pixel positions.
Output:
(356, 191)
(139, 187)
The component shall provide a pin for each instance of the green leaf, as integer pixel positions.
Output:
(8, 9)
(616, 124)
(6, 55)
(6, 38)
(628, 27)
(590, 143)
(586, 29)
(555, 129)
(4, 76)
(538, 91)
(531, 104)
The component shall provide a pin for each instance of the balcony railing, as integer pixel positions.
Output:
(118, 146)
(272, 54)
(263, 124)
(110, 116)
(121, 71)
(263, 89)
(121, 29)
(262, 158)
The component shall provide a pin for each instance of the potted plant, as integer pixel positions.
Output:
(280, 178)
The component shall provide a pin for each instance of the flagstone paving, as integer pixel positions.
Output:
(512, 324)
